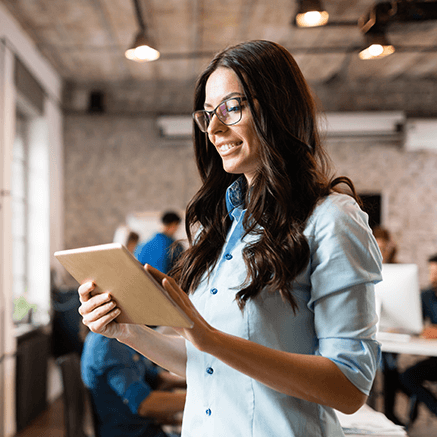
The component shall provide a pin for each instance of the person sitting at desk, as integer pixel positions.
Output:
(426, 370)
(132, 240)
(389, 361)
(126, 236)
(129, 394)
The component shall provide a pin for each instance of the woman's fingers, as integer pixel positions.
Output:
(85, 291)
(181, 299)
(163, 278)
(99, 311)
(173, 288)
(100, 325)
(158, 275)
(93, 302)
(96, 311)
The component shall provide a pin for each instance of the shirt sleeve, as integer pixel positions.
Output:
(131, 381)
(345, 265)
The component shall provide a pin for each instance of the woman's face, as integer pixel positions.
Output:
(238, 144)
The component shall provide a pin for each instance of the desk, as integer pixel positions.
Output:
(33, 350)
(367, 421)
(414, 346)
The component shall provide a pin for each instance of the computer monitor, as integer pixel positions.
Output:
(398, 299)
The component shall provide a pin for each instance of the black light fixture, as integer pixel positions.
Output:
(141, 49)
(377, 46)
(373, 25)
(310, 13)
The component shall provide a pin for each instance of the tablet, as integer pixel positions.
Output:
(114, 269)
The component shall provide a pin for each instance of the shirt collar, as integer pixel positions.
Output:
(236, 194)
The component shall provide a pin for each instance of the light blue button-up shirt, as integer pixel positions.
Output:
(336, 319)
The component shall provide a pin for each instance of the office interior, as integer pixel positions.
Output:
(89, 139)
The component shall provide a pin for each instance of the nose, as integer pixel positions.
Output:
(215, 125)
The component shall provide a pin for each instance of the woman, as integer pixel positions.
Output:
(386, 244)
(280, 270)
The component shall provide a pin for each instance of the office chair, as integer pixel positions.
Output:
(78, 409)
(413, 405)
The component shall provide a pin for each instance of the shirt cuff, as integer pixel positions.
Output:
(357, 359)
(135, 394)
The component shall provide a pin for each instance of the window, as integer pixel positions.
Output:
(30, 218)
(19, 190)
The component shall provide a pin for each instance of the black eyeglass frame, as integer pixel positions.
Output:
(214, 111)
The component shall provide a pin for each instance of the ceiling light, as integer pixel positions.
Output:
(310, 13)
(373, 25)
(377, 46)
(141, 49)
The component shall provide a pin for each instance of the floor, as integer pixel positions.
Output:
(426, 422)
(51, 422)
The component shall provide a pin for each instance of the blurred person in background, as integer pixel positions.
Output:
(126, 236)
(131, 396)
(162, 251)
(389, 360)
(414, 377)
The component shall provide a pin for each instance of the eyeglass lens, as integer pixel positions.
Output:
(228, 112)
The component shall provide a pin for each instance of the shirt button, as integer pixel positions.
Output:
(213, 291)
(228, 256)
(208, 412)
(210, 370)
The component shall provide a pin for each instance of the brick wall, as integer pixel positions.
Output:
(117, 164)
(407, 182)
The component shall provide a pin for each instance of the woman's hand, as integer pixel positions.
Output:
(199, 333)
(99, 312)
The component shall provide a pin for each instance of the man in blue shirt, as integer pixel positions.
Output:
(128, 392)
(413, 378)
(161, 251)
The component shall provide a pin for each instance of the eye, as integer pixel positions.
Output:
(232, 106)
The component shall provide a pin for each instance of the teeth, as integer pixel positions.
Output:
(225, 147)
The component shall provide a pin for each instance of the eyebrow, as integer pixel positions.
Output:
(228, 96)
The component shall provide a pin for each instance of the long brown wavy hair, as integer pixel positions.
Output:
(293, 175)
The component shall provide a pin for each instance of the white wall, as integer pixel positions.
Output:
(14, 42)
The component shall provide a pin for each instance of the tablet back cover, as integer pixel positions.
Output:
(114, 269)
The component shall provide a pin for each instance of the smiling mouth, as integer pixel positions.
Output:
(229, 146)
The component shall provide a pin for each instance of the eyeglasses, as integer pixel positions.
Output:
(228, 112)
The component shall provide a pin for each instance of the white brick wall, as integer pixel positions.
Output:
(408, 184)
(116, 165)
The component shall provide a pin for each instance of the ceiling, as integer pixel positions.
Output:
(85, 40)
